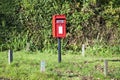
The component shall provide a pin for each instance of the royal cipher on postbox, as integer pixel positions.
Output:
(59, 26)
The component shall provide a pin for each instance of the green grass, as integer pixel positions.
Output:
(26, 66)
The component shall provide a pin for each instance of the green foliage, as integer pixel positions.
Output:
(27, 66)
(101, 49)
(29, 21)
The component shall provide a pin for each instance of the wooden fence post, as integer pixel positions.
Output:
(83, 50)
(42, 66)
(105, 67)
(28, 47)
(10, 56)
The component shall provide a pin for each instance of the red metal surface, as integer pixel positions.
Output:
(59, 26)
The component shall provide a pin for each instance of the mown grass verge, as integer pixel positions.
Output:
(26, 66)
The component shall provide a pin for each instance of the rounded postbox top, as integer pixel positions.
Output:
(61, 16)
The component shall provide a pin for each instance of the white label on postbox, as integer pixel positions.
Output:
(60, 30)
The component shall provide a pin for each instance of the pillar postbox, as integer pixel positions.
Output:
(59, 26)
(59, 30)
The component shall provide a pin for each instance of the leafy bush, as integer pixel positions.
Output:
(30, 22)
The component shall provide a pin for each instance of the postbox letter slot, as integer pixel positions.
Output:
(59, 21)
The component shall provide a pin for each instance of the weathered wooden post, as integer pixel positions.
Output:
(83, 50)
(105, 67)
(10, 56)
(42, 66)
(28, 47)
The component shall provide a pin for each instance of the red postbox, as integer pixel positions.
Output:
(59, 26)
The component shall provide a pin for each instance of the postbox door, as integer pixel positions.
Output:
(60, 30)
